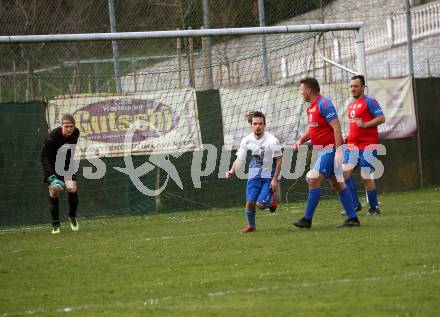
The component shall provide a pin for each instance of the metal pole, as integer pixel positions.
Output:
(263, 43)
(360, 52)
(419, 138)
(111, 10)
(409, 38)
(84, 37)
(414, 87)
(208, 43)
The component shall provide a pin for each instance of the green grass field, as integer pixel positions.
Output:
(200, 264)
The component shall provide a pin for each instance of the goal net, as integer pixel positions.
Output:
(169, 94)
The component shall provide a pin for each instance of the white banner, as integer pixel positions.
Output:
(167, 121)
(395, 96)
(285, 109)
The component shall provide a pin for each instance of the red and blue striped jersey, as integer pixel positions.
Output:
(320, 113)
(366, 109)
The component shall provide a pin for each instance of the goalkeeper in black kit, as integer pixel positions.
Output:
(67, 133)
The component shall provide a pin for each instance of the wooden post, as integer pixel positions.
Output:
(221, 74)
(134, 70)
(96, 75)
(228, 69)
(330, 66)
(89, 83)
(14, 80)
(78, 78)
(191, 60)
(324, 64)
(72, 85)
(237, 74)
(205, 62)
(28, 86)
(61, 79)
(314, 58)
(40, 88)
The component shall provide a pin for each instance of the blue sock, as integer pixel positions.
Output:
(372, 198)
(250, 215)
(347, 202)
(312, 202)
(351, 184)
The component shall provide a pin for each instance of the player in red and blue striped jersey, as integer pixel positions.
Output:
(324, 132)
(365, 115)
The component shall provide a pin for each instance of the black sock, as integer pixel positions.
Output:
(54, 211)
(73, 204)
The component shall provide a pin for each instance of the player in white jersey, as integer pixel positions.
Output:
(264, 168)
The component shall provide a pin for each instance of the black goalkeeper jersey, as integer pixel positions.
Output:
(53, 142)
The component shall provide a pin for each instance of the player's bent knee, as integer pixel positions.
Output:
(314, 182)
(369, 177)
(368, 182)
(333, 185)
(260, 206)
(250, 204)
(71, 190)
(54, 195)
(71, 186)
(347, 174)
(339, 186)
(348, 167)
(54, 192)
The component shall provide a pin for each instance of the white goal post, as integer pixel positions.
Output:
(358, 27)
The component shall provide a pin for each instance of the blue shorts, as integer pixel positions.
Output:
(357, 157)
(325, 163)
(258, 190)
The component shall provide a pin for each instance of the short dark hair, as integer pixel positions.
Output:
(311, 83)
(361, 79)
(67, 117)
(255, 114)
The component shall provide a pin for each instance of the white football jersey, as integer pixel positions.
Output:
(263, 154)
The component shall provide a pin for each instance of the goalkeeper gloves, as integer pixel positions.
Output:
(56, 183)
